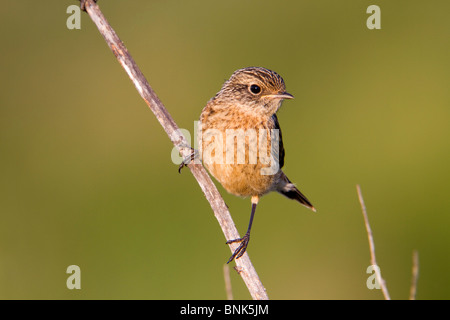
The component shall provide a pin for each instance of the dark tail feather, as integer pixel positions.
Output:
(290, 191)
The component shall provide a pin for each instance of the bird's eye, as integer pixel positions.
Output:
(255, 89)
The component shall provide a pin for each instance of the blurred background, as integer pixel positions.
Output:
(86, 176)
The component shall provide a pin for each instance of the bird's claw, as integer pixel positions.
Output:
(242, 247)
(187, 160)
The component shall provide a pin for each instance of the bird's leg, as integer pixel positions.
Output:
(188, 159)
(246, 238)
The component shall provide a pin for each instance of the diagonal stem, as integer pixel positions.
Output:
(244, 265)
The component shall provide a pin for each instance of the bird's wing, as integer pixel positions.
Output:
(281, 152)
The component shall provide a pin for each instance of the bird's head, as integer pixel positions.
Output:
(258, 89)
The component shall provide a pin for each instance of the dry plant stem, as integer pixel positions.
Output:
(415, 276)
(244, 265)
(226, 277)
(373, 260)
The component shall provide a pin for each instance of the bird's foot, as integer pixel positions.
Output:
(242, 247)
(188, 159)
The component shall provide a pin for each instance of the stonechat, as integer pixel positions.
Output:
(240, 140)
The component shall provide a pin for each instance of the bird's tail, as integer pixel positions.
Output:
(289, 190)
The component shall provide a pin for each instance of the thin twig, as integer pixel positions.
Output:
(226, 277)
(415, 275)
(373, 260)
(247, 271)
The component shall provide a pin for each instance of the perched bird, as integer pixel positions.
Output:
(240, 140)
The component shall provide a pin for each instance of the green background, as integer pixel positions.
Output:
(86, 176)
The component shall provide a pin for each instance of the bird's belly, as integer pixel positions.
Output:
(242, 179)
(240, 156)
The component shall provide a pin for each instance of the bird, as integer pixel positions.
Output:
(234, 127)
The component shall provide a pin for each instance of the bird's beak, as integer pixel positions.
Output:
(282, 95)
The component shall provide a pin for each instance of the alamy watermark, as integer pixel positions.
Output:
(74, 280)
(234, 147)
(374, 20)
(74, 20)
(373, 282)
